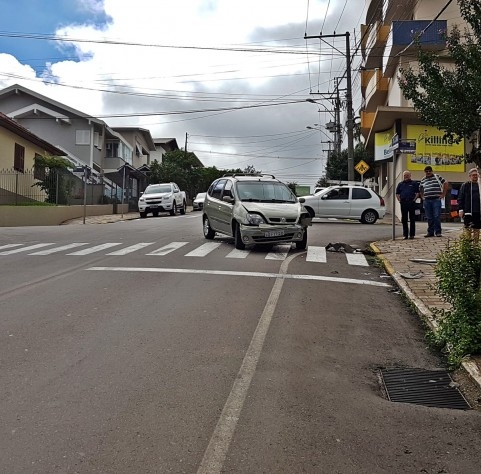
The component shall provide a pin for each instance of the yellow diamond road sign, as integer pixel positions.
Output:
(361, 167)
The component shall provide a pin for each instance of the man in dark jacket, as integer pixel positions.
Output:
(469, 205)
(407, 191)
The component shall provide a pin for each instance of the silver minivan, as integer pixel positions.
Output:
(255, 209)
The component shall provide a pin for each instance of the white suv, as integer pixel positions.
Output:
(255, 209)
(347, 202)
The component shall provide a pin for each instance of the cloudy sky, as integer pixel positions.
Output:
(231, 76)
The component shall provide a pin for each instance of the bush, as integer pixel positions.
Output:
(458, 270)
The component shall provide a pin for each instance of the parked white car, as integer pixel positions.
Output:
(162, 197)
(198, 202)
(346, 202)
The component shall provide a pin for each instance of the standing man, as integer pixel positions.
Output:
(433, 189)
(469, 205)
(407, 191)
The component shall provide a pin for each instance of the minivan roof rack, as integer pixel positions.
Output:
(254, 175)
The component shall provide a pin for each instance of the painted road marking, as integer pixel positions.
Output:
(168, 248)
(316, 254)
(357, 259)
(131, 249)
(96, 248)
(238, 253)
(58, 249)
(24, 249)
(9, 246)
(279, 252)
(204, 249)
(234, 273)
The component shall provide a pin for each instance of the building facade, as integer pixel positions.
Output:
(388, 44)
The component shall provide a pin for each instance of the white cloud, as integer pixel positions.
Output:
(172, 71)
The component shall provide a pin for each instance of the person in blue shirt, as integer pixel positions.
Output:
(407, 191)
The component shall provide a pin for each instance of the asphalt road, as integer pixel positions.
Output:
(135, 348)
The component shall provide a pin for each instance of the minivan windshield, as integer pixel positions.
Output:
(258, 191)
(158, 188)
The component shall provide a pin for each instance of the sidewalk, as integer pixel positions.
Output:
(396, 256)
(105, 219)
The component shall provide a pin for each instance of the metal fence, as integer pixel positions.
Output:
(57, 187)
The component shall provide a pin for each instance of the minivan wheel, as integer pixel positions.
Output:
(239, 245)
(209, 233)
(369, 217)
(302, 244)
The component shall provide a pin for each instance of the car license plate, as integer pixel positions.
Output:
(154, 206)
(274, 233)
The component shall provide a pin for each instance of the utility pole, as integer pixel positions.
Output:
(185, 148)
(350, 116)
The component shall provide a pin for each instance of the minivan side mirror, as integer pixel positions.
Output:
(228, 199)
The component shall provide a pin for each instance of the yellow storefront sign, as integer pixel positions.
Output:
(432, 148)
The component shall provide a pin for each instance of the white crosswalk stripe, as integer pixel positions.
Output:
(314, 254)
(24, 249)
(9, 246)
(357, 259)
(96, 248)
(204, 249)
(132, 248)
(279, 252)
(238, 254)
(58, 249)
(168, 248)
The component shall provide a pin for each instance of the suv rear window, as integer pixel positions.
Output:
(360, 193)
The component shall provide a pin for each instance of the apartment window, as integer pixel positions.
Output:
(82, 137)
(19, 158)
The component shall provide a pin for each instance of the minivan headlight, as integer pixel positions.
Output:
(255, 219)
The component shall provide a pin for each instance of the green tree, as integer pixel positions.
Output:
(250, 169)
(57, 181)
(336, 168)
(187, 171)
(448, 96)
(180, 167)
(293, 187)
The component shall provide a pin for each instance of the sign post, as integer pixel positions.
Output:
(394, 147)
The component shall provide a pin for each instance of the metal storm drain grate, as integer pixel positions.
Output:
(432, 388)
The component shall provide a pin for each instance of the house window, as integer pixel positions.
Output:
(38, 170)
(82, 137)
(19, 158)
(112, 150)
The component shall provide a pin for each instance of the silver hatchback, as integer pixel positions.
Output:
(255, 209)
